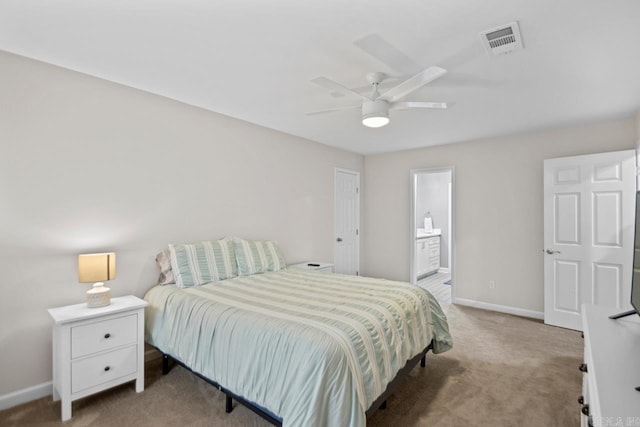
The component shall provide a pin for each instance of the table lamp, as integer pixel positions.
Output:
(97, 268)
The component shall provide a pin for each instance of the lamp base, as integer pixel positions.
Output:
(98, 296)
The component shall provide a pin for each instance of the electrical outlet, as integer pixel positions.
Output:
(492, 284)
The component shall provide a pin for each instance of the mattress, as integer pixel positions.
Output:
(315, 349)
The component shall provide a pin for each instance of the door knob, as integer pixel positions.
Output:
(551, 251)
(339, 239)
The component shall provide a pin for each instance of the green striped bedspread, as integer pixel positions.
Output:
(315, 349)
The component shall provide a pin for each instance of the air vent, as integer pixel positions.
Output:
(503, 39)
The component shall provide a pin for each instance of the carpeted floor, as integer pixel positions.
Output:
(503, 371)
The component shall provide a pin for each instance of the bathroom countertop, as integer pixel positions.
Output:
(422, 234)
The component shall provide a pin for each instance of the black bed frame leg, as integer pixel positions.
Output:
(228, 405)
(423, 361)
(165, 364)
(384, 405)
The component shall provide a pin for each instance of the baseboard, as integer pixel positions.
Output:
(26, 395)
(443, 270)
(499, 308)
(45, 389)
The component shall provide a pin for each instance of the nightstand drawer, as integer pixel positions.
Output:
(100, 369)
(104, 335)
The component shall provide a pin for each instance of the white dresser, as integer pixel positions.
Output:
(97, 348)
(611, 368)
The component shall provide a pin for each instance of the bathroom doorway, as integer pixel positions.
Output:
(431, 222)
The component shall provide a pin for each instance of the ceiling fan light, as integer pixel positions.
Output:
(375, 114)
(375, 121)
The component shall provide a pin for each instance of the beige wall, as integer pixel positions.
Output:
(87, 165)
(498, 201)
(638, 150)
(638, 129)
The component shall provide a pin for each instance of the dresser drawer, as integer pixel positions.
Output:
(434, 251)
(102, 368)
(103, 335)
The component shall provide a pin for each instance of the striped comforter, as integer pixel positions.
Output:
(315, 349)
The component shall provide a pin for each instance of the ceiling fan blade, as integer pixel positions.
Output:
(413, 83)
(386, 53)
(335, 86)
(418, 104)
(331, 110)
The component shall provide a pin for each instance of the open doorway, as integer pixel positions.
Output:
(431, 233)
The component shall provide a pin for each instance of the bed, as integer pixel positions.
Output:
(301, 348)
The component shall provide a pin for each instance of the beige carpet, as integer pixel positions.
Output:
(503, 371)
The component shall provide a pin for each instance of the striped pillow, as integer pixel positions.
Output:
(199, 263)
(257, 256)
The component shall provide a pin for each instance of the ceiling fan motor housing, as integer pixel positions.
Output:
(375, 113)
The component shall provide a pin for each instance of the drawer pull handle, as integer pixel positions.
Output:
(107, 368)
(107, 336)
(583, 367)
(581, 400)
(585, 410)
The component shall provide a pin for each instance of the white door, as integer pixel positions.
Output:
(346, 258)
(589, 207)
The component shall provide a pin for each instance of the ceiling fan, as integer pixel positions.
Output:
(376, 106)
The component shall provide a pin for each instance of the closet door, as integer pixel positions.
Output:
(346, 253)
(589, 211)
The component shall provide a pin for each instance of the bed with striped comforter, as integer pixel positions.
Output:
(315, 349)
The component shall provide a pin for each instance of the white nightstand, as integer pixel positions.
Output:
(321, 267)
(97, 348)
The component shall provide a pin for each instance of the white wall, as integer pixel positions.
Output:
(638, 150)
(498, 207)
(87, 165)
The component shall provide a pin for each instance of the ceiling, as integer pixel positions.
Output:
(254, 60)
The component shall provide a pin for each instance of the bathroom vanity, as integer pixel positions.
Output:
(427, 252)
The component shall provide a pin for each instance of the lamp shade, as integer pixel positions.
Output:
(96, 267)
